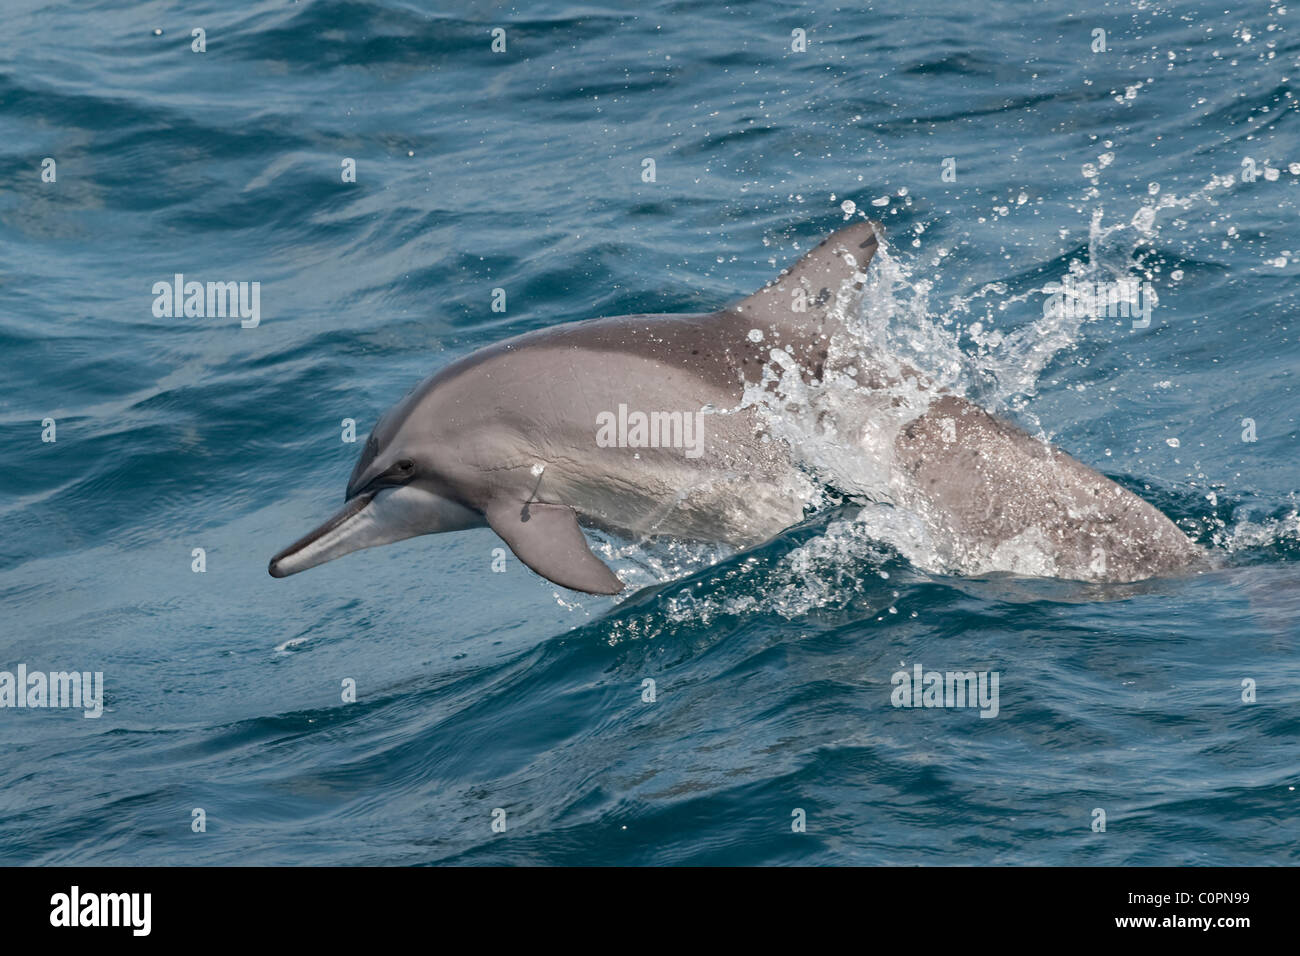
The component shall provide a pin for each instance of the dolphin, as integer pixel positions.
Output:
(646, 426)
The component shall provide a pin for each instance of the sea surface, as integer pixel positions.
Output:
(1004, 154)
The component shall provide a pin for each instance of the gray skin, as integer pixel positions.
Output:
(507, 437)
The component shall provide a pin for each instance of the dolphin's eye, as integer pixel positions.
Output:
(395, 475)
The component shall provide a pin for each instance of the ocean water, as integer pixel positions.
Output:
(1170, 158)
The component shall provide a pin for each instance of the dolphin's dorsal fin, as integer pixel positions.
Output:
(547, 538)
(804, 293)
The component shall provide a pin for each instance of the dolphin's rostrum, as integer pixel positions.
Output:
(639, 425)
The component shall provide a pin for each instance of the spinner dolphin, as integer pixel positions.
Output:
(639, 425)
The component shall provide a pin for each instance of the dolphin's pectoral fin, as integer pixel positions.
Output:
(547, 539)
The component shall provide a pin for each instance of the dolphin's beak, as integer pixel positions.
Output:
(349, 530)
(373, 518)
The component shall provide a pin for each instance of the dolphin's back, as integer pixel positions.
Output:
(1004, 501)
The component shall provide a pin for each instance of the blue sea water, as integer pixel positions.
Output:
(1171, 157)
